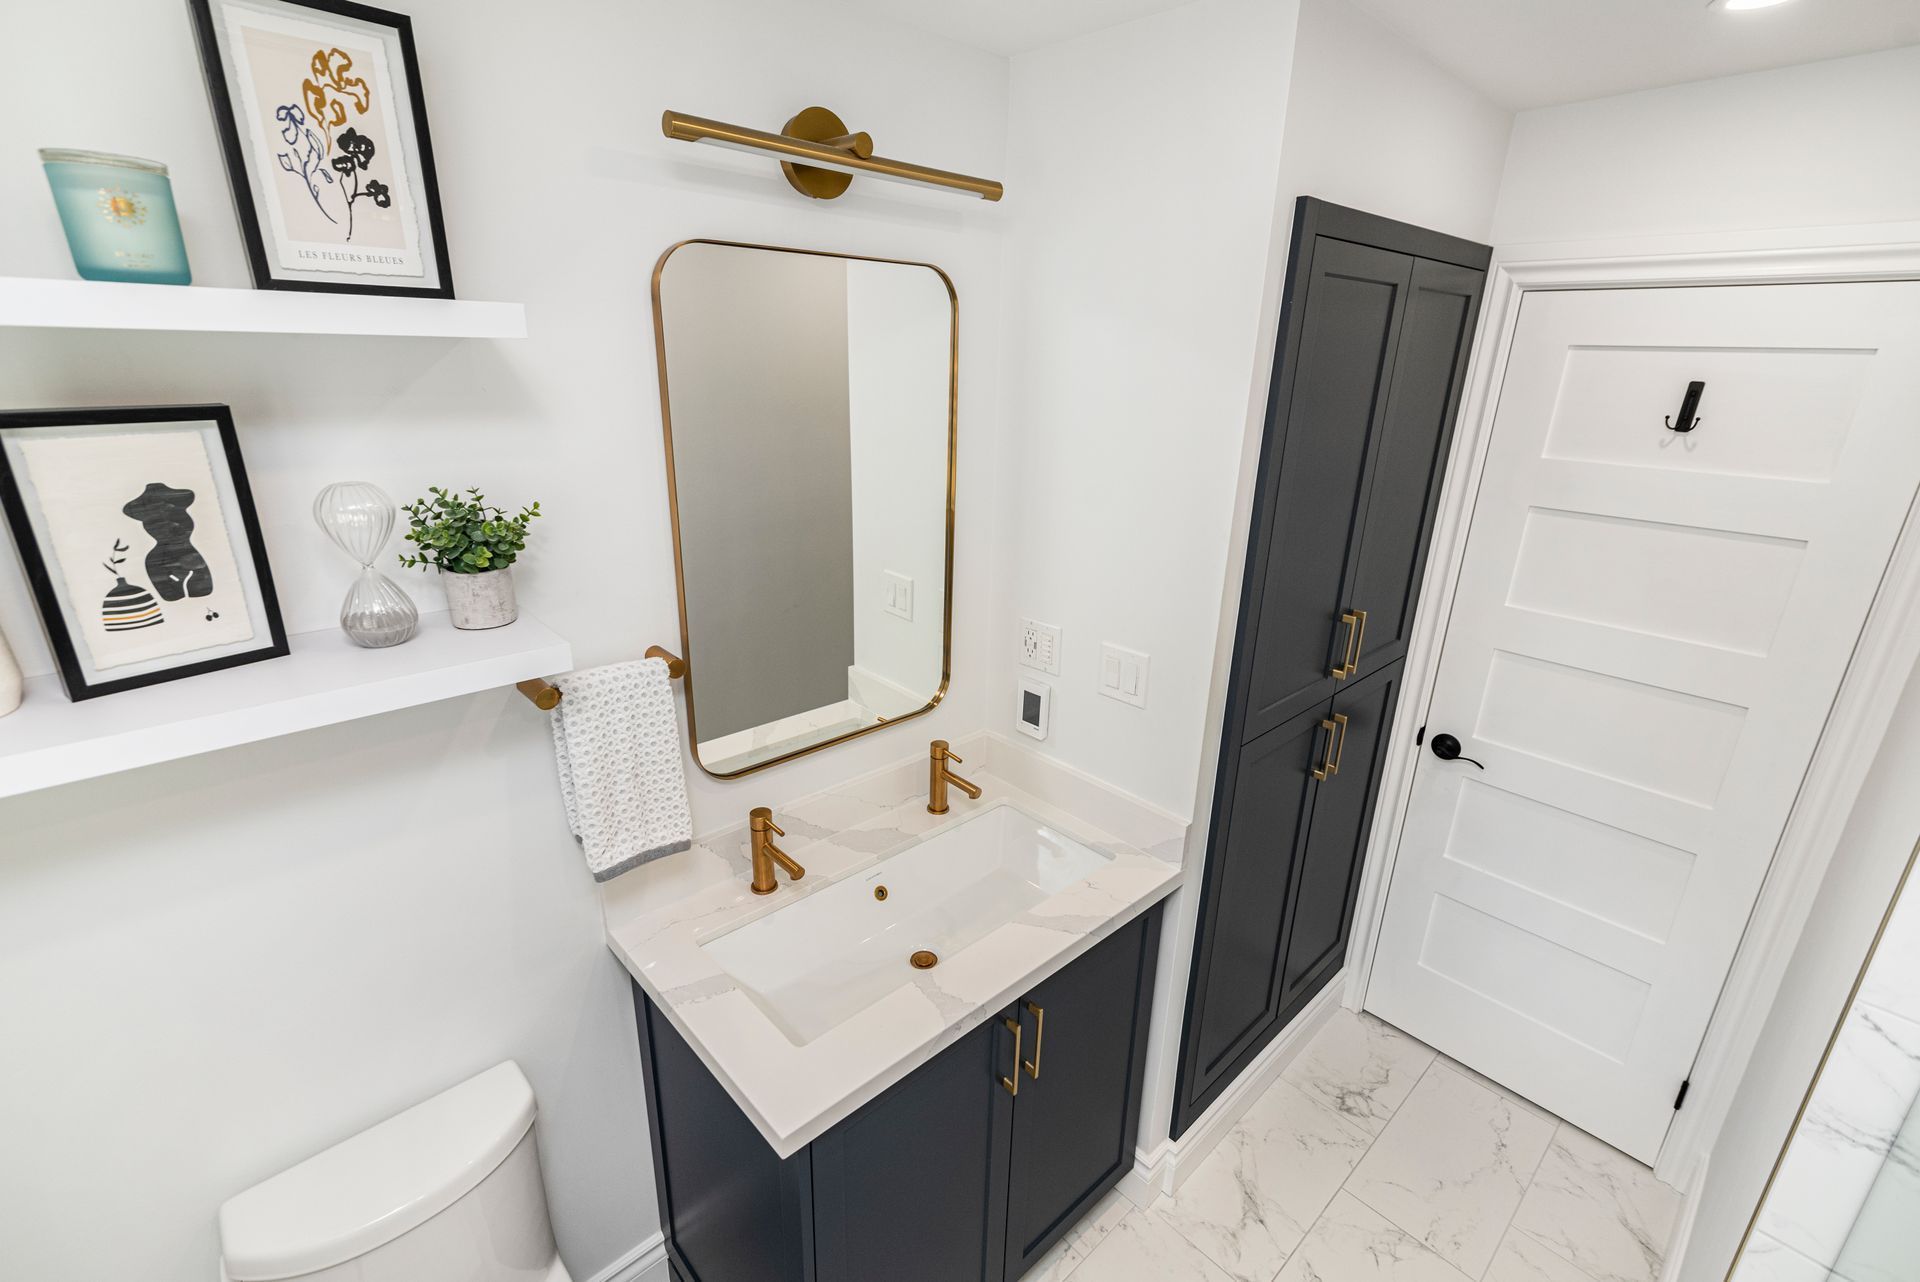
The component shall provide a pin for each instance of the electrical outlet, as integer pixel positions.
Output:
(897, 595)
(1123, 674)
(1040, 646)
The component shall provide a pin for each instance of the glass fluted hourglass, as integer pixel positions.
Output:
(359, 517)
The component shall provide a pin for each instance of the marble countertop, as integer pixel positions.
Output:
(658, 915)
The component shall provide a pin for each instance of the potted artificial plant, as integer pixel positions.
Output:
(473, 544)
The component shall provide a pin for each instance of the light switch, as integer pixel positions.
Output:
(897, 595)
(1123, 674)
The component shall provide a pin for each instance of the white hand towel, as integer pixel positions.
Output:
(617, 743)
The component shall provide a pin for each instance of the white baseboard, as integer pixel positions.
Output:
(1167, 1165)
(1676, 1261)
(644, 1263)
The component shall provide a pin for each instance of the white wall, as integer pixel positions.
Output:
(899, 349)
(1824, 144)
(1141, 176)
(211, 969)
(1372, 124)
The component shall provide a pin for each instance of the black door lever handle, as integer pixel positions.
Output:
(1447, 748)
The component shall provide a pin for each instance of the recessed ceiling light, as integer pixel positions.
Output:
(1735, 6)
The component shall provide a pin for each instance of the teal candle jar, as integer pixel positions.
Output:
(119, 217)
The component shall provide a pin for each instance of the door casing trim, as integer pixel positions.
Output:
(1888, 648)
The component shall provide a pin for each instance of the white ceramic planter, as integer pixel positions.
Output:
(10, 686)
(479, 601)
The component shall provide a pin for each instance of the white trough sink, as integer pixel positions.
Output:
(813, 964)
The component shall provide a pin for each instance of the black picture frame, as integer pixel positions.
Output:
(39, 571)
(234, 153)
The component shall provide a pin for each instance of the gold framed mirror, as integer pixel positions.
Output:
(809, 410)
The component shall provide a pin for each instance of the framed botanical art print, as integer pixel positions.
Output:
(324, 128)
(140, 543)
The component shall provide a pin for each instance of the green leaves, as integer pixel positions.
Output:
(463, 533)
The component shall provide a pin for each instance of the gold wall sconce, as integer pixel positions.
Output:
(820, 155)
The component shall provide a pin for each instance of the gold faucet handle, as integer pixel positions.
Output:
(954, 756)
(776, 827)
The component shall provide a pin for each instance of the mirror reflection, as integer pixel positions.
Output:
(1843, 1203)
(809, 408)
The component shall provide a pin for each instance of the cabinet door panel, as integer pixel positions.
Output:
(1410, 454)
(1075, 1120)
(1249, 872)
(1322, 902)
(715, 1174)
(1355, 298)
(914, 1184)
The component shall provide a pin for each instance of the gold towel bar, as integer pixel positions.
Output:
(676, 666)
(546, 696)
(818, 153)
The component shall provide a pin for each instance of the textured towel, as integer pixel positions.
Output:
(617, 743)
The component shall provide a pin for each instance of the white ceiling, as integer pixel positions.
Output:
(1531, 53)
(1519, 53)
(1008, 27)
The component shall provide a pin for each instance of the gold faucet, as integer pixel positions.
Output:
(765, 854)
(938, 777)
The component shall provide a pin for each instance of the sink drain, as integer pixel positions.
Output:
(924, 960)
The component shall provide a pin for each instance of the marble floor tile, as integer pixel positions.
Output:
(1145, 1248)
(1253, 1199)
(1452, 1166)
(1522, 1259)
(1359, 1067)
(1521, 1100)
(1599, 1209)
(1068, 1253)
(1351, 1243)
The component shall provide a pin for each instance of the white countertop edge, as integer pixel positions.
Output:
(830, 1078)
(860, 1094)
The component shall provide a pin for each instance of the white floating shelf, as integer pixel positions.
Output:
(326, 679)
(33, 302)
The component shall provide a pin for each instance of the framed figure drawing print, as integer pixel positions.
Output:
(140, 543)
(324, 129)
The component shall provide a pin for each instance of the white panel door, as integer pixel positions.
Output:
(1648, 633)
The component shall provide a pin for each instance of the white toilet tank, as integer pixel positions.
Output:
(448, 1191)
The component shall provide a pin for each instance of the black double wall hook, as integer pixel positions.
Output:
(1688, 405)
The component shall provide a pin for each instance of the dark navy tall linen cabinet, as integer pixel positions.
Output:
(948, 1176)
(1377, 320)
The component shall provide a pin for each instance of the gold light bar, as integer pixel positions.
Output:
(801, 154)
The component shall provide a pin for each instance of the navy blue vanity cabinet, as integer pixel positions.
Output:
(1078, 1113)
(908, 1182)
(967, 1170)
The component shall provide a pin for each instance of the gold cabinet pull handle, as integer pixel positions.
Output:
(1359, 642)
(1339, 753)
(1356, 621)
(1325, 770)
(1012, 1084)
(1039, 1040)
